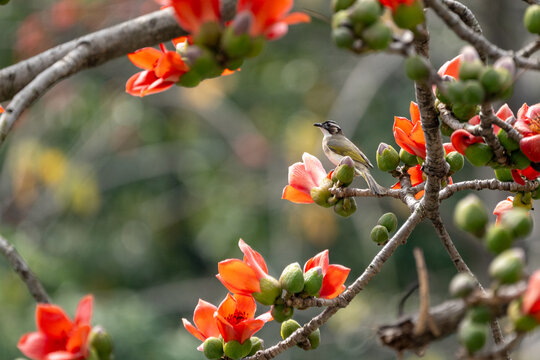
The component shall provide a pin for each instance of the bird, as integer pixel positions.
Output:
(336, 146)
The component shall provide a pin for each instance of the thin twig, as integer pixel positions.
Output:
(18, 265)
(529, 49)
(486, 123)
(423, 317)
(488, 184)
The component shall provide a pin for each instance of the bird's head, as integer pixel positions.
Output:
(329, 127)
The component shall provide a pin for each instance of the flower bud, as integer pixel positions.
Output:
(455, 160)
(470, 70)
(455, 91)
(523, 200)
(518, 221)
(281, 312)
(288, 327)
(292, 278)
(507, 267)
(530, 146)
(389, 221)
(408, 158)
(341, 19)
(409, 16)
(270, 291)
(479, 154)
(471, 215)
(442, 95)
(236, 46)
(469, 54)
(479, 313)
(4, 2)
(507, 64)
(387, 157)
(365, 12)
(101, 341)
(344, 173)
(498, 238)
(343, 37)
(242, 23)
(379, 234)
(417, 68)
(463, 112)
(313, 280)
(213, 348)
(492, 80)
(321, 194)
(235, 350)
(189, 79)
(256, 345)
(504, 174)
(508, 143)
(203, 61)
(338, 5)
(472, 335)
(531, 19)
(234, 64)
(377, 36)
(208, 35)
(314, 339)
(473, 92)
(520, 321)
(345, 207)
(462, 285)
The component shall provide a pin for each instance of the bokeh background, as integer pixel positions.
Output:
(136, 200)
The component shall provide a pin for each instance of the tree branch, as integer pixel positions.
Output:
(490, 184)
(21, 268)
(486, 124)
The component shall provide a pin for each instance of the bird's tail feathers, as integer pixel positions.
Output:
(372, 184)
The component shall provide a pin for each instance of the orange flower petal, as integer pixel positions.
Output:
(451, 67)
(145, 58)
(333, 281)
(296, 18)
(77, 339)
(238, 277)
(53, 321)
(415, 112)
(253, 259)
(83, 315)
(296, 196)
(403, 141)
(531, 298)
(36, 345)
(321, 259)
(203, 317)
(403, 123)
(193, 330)
(63, 355)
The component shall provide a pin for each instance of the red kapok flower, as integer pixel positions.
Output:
(451, 67)
(243, 276)
(304, 176)
(162, 70)
(531, 298)
(409, 134)
(235, 318)
(59, 338)
(528, 124)
(205, 323)
(334, 276)
(502, 207)
(462, 139)
(271, 19)
(191, 14)
(417, 178)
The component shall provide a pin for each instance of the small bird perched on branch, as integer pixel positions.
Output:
(336, 146)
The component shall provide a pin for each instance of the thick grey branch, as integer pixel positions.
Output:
(486, 123)
(465, 14)
(20, 267)
(491, 184)
(103, 45)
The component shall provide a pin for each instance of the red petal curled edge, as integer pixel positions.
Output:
(253, 259)
(462, 139)
(238, 277)
(145, 58)
(451, 67)
(333, 281)
(296, 196)
(531, 298)
(530, 146)
(321, 259)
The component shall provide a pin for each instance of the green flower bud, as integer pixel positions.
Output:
(508, 143)
(518, 221)
(531, 20)
(472, 335)
(463, 112)
(365, 12)
(408, 158)
(455, 91)
(213, 348)
(462, 285)
(389, 221)
(471, 215)
(387, 157)
(314, 339)
(235, 350)
(417, 68)
(344, 173)
(520, 321)
(292, 278)
(321, 194)
(379, 234)
(270, 291)
(523, 200)
(519, 160)
(443, 96)
(473, 93)
(234, 64)
(470, 70)
(313, 280)
(446, 130)
(208, 35)
(101, 341)
(504, 174)
(288, 327)
(256, 345)
(341, 19)
(4, 2)
(377, 36)
(92, 355)
(409, 16)
(507, 267)
(343, 37)
(491, 80)
(479, 314)
(189, 79)
(455, 160)
(257, 45)
(479, 154)
(345, 207)
(281, 312)
(235, 45)
(338, 5)
(203, 61)
(498, 238)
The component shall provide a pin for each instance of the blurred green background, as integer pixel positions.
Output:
(136, 200)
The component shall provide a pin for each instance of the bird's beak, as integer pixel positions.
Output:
(318, 125)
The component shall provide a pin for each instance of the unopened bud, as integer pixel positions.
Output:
(189, 79)
(208, 35)
(387, 157)
(507, 267)
(343, 37)
(473, 92)
(506, 63)
(270, 291)
(462, 285)
(377, 36)
(213, 348)
(509, 144)
(365, 12)
(479, 313)
(235, 46)
(463, 112)
(344, 173)
(479, 154)
(256, 345)
(314, 339)
(379, 234)
(389, 221)
(518, 221)
(345, 207)
(338, 5)
(101, 341)
(531, 19)
(523, 200)
(313, 280)
(503, 174)
(409, 16)
(471, 215)
(281, 312)
(288, 327)
(341, 19)
(472, 335)
(235, 350)
(417, 68)
(498, 238)
(321, 194)
(469, 54)
(242, 23)
(292, 278)
(521, 322)
(408, 158)
(456, 161)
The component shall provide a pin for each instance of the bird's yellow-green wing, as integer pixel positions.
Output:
(345, 147)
